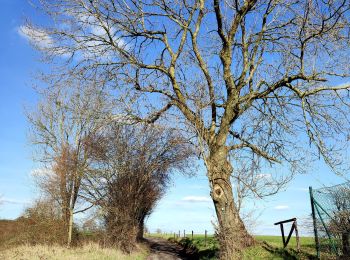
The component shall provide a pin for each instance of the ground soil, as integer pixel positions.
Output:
(162, 249)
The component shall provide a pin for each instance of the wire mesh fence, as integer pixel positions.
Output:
(331, 219)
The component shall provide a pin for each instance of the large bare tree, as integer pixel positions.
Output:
(62, 121)
(250, 79)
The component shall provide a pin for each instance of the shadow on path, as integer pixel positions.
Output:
(164, 250)
(290, 254)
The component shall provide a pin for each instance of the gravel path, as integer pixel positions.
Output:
(162, 249)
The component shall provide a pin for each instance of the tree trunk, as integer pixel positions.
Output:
(70, 227)
(140, 231)
(232, 234)
(346, 245)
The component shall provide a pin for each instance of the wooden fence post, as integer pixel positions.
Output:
(294, 227)
(297, 235)
(192, 234)
(184, 233)
(205, 239)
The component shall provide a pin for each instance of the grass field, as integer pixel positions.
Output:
(271, 247)
(268, 247)
(87, 252)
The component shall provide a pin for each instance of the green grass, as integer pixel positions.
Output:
(267, 247)
(271, 247)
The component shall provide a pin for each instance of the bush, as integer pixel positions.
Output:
(40, 224)
(121, 230)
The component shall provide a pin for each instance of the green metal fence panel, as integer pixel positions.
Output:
(331, 218)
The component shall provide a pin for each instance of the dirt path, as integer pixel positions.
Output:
(162, 249)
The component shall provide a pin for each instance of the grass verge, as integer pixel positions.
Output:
(267, 247)
(91, 251)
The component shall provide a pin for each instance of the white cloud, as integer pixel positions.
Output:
(196, 199)
(36, 36)
(93, 48)
(97, 28)
(281, 207)
(42, 40)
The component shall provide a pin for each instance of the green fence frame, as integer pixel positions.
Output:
(316, 207)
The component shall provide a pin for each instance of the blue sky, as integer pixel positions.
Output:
(186, 206)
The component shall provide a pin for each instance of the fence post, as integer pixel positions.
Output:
(192, 234)
(184, 233)
(205, 239)
(314, 222)
(297, 235)
(179, 234)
